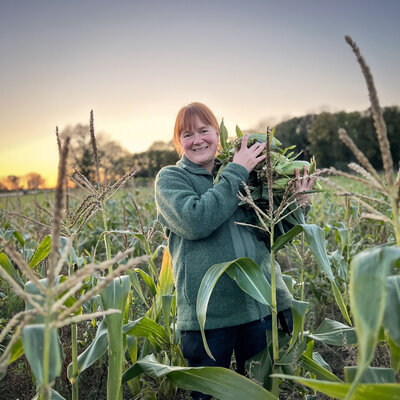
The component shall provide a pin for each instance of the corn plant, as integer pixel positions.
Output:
(272, 213)
(374, 280)
(49, 302)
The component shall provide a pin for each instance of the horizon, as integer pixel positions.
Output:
(136, 64)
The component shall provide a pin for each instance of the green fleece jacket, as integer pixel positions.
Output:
(199, 219)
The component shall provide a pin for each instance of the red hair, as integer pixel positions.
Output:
(185, 121)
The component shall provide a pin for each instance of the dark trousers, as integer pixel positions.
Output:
(245, 340)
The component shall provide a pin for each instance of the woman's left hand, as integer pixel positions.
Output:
(304, 184)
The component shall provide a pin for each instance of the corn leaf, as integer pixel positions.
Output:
(288, 282)
(221, 383)
(315, 239)
(41, 252)
(369, 271)
(247, 274)
(371, 375)
(33, 342)
(394, 355)
(391, 316)
(19, 237)
(132, 345)
(364, 391)
(115, 296)
(318, 370)
(92, 353)
(299, 311)
(259, 368)
(136, 285)
(166, 301)
(148, 281)
(334, 333)
(9, 268)
(146, 327)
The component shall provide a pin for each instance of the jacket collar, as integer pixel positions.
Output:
(190, 166)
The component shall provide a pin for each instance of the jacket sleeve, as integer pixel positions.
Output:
(190, 215)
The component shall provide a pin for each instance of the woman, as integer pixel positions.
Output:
(199, 218)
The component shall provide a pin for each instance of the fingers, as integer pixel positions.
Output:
(249, 157)
(244, 142)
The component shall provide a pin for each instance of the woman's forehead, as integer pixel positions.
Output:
(192, 122)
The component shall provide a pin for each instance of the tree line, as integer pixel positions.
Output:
(317, 134)
(312, 134)
(31, 181)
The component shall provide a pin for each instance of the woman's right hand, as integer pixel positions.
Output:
(249, 157)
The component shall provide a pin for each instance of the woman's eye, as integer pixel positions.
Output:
(204, 131)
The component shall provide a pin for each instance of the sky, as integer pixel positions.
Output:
(136, 63)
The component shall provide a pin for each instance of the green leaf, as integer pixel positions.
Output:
(320, 372)
(299, 310)
(9, 268)
(288, 282)
(132, 345)
(371, 375)
(221, 383)
(339, 301)
(16, 351)
(250, 278)
(369, 270)
(247, 274)
(239, 133)
(286, 238)
(259, 368)
(146, 327)
(41, 252)
(223, 133)
(292, 355)
(148, 281)
(334, 333)
(364, 391)
(92, 353)
(33, 342)
(115, 296)
(391, 317)
(394, 355)
(166, 301)
(20, 239)
(315, 238)
(136, 285)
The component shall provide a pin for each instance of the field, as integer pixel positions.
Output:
(88, 300)
(127, 221)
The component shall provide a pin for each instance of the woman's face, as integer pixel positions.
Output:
(200, 144)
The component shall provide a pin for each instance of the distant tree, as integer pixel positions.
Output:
(110, 154)
(148, 163)
(34, 181)
(295, 132)
(162, 146)
(3, 186)
(391, 116)
(330, 151)
(324, 140)
(13, 182)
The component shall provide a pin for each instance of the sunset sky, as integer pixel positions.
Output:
(135, 63)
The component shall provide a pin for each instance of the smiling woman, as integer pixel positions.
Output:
(199, 217)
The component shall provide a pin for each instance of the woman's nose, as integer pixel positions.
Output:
(198, 138)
